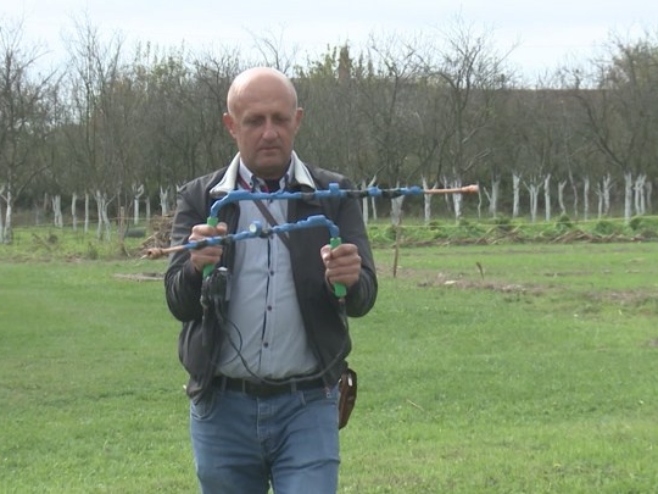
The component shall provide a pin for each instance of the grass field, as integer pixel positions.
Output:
(482, 369)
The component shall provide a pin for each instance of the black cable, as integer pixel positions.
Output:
(274, 382)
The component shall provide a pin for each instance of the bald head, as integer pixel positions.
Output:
(260, 81)
(263, 118)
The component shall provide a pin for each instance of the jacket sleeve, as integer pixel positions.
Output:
(182, 281)
(362, 295)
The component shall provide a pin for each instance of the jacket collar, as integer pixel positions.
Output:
(299, 175)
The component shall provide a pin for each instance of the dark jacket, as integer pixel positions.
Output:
(323, 316)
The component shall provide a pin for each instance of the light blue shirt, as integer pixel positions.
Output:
(265, 337)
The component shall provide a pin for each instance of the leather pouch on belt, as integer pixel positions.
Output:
(347, 387)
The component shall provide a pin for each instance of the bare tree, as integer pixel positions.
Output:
(24, 120)
(471, 73)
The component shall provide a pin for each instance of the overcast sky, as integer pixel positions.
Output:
(542, 34)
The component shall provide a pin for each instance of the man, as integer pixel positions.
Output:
(264, 337)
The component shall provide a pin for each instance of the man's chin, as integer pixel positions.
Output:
(273, 167)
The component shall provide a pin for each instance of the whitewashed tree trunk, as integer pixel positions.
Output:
(164, 201)
(2, 223)
(364, 203)
(547, 196)
(574, 190)
(479, 202)
(446, 197)
(607, 187)
(495, 195)
(534, 190)
(427, 203)
(100, 205)
(628, 196)
(138, 191)
(6, 228)
(599, 193)
(147, 207)
(86, 223)
(7, 236)
(365, 200)
(638, 190)
(106, 221)
(586, 186)
(560, 196)
(649, 189)
(58, 218)
(103, 220)
(516, 184)
(457, 199)
(396, 210)
(74, 211)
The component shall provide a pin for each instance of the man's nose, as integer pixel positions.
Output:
(269, 132)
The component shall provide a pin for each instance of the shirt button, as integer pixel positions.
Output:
(272, 273)
(266, 344)
(269, 307)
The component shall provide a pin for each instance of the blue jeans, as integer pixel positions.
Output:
(242, 443)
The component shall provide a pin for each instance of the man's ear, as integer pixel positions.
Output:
(299, 114)
(229, 123)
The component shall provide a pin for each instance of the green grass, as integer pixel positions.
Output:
(537, 375)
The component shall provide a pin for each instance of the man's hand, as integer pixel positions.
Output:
(208, 255)
(342, 264)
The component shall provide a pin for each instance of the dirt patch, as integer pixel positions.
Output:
(459, 280)
(633, 298)
(140, 276)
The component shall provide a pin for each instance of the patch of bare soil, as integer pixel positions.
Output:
(140, 276)
(461, 280)
(632, 298)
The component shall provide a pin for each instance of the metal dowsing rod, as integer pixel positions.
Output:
(257, 230)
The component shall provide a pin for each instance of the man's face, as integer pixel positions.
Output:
(264, 123)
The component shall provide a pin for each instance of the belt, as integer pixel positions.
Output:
(264, 390)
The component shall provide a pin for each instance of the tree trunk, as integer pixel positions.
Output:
(364, 204)
(495, 194)
(607, 187)
(560, 197)
(534, 190)
(516, 183)
(457, 199)
(74, 211)
(574, 190)
(58, 219)
(640, 205)
(628, 196)
(103, 220)
(649, 187)
(5, 231)
(586, 185)
(164, 201)
(547, 196)
(86, 224)
(427, 203)
(138, 191)
(2, 223)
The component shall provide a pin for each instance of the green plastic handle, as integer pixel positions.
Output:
(207, 269)
(340, 290)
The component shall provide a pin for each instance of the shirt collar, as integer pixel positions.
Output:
(297, 172)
